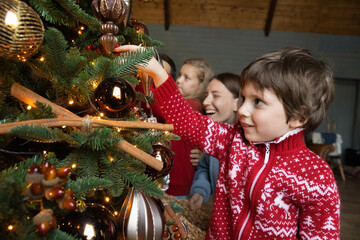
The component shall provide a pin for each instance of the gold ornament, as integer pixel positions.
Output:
(140, 217)
(21, 30)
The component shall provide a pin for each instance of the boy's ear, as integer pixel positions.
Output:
(295, 123)
(299, 120)
(236, 104)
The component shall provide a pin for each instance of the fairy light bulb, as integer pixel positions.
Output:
(107, 199)
(73, 165)
(28, 107)
(71, 102)
(10, 227)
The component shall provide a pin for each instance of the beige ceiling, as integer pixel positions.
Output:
(340, 17)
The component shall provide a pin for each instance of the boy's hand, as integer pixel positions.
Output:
(196, 201)
(195, 156)
(153, 68)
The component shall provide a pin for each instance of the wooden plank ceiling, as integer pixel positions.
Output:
(339, 17)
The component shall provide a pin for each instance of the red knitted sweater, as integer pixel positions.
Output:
(272, 190)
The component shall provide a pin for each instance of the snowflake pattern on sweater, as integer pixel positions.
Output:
(273, 190)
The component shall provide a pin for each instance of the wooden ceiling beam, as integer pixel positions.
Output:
(270, 17)
(166, 14)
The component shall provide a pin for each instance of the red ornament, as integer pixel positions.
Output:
(43, 228)
(53, 223)
(177, 235)
(34, 168)
(45, 166)
(55, 193)
(37, 188)
(50, 173)
(69, 193)
(88, 47)
(174, 228)
(69, 204)
(63, 172)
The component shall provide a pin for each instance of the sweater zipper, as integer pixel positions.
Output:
(266, 159)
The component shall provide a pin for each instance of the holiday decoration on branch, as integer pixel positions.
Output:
(48, 181)
(94, 222)
(114, 97)
(21, 30)
(109, 12)
(140, 217)
(139, 27)
(163, 154)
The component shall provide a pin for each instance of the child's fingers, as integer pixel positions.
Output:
(125, 48)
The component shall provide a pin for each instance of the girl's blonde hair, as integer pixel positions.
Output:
(204, 73)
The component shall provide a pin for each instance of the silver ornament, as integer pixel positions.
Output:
(140, 217)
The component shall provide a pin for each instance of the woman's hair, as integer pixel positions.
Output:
(303, 83)
(231, 81)
(204, 73)
(167, 59)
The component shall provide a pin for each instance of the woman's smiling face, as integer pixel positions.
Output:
(219, 103)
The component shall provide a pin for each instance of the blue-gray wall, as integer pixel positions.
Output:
(231, 50)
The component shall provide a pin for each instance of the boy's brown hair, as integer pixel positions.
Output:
(303, 83)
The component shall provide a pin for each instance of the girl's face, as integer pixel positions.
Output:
(219, 103)
(188, 82)
(262, 115)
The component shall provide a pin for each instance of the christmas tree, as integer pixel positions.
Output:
(77, 142)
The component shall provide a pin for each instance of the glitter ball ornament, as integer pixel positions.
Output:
(162, 153)
(114, 97)
(96, 223)
(140, 217)
(21, 30)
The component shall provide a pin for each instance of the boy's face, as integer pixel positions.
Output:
(188, 82)
(262, 115)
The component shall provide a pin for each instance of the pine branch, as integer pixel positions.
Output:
(59, 235)
(77, 13)
(141, 181)
(86, 184)
(55, 50)
(86, 161)
(39, 133)
(130, 61)
(99, 139)
(51, 12)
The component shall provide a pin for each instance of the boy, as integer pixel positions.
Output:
(270, 185)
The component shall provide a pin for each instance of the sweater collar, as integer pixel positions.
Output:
(288, 141)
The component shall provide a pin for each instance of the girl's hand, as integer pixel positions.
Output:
(195, 156)
(153, 68)
(196, 201)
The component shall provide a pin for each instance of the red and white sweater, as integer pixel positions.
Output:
(272, 190)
